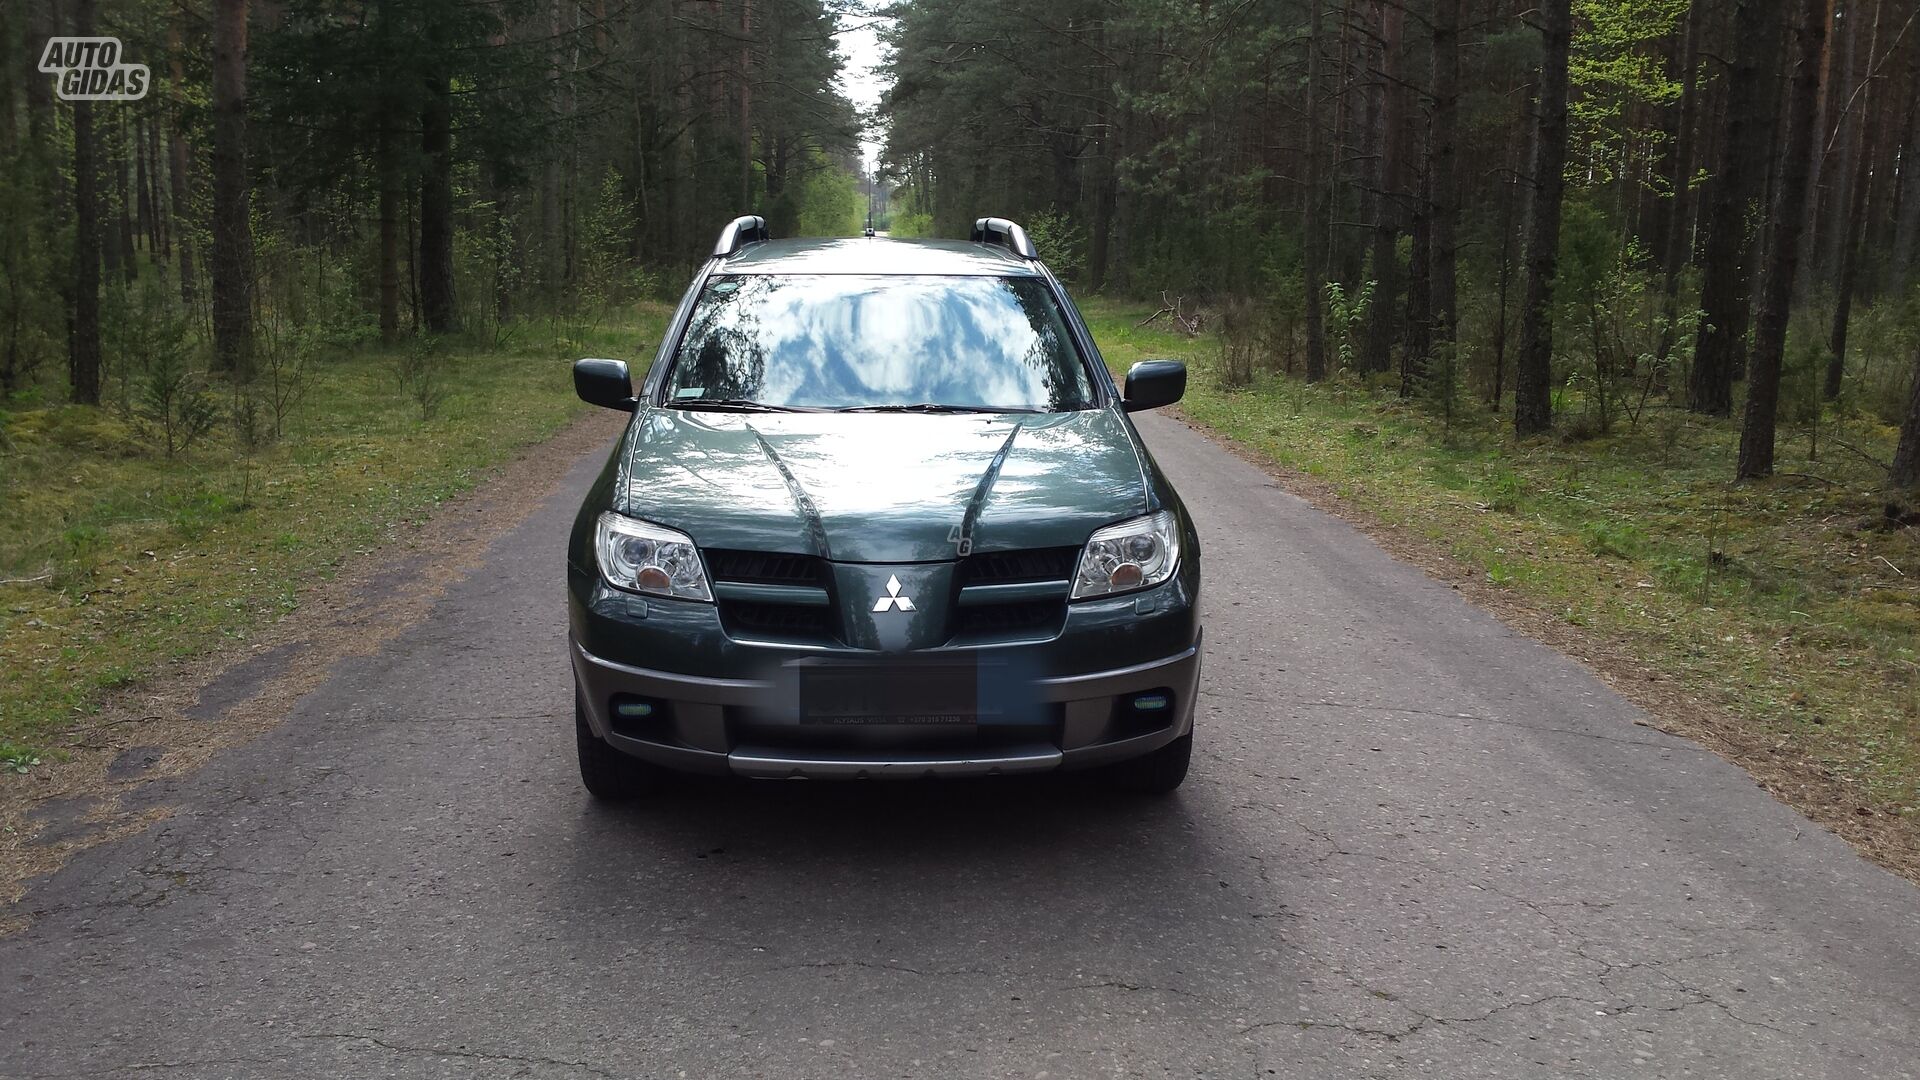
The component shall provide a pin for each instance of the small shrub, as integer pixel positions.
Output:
(15, 758)
(1241, 343)
(172, 403)
(418, 367)
(1347, 320)
(1606, 538)
(1504, 490)
(1061, 242)
(283, 353)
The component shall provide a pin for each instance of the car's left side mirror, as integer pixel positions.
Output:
(604, 382)
(1153, 383)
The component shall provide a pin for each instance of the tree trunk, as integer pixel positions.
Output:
(1502, 287)
(746, 105)
(1905, 473)
(1678, 249)
(552, 265)
(1906, 233)
(1313, 244)
(1783, 256)
(147, 222)
(1853, 222)
(179, 158)
(1741, 180)
(1844, 278)
(232, 231)
(83, 334)
(1443, 176)
(436, 206)
(389, 120)
(1533, 368)
(1419, 322)
(1390, 205)
(129, 264)
(389, 212)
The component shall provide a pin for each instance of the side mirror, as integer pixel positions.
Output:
(1153, 383)
(605, 383)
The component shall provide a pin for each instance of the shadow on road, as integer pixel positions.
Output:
(1003, 877)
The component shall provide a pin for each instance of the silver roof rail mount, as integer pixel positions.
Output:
(1006, 234)
(742, 231)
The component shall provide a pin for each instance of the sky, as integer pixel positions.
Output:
(860, 45)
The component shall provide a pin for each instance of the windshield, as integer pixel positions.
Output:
(842, 341)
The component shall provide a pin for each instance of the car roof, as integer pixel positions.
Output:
(876, 255)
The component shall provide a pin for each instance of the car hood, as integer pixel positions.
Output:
(880, 487)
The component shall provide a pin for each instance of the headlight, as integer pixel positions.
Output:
(1132, 555)
(642, 557)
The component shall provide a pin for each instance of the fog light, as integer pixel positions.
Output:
(627, 708)
(1149, 702)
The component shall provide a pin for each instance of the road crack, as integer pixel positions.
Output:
(464, 1053)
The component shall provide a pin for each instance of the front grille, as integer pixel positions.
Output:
(766, 567)
(1016, 618)
(770, 619)
(1014, 567)
(755, 617)
(1009, 620)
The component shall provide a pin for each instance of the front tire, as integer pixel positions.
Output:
(1157, 773)
(609, 775)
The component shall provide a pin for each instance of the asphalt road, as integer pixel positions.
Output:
(1413, 844)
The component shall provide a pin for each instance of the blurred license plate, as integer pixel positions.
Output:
(859, 694)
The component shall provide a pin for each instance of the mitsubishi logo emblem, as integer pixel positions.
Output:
(893, 599)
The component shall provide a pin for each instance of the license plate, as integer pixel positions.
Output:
(863, 694)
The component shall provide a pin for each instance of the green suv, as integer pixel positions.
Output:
(880, 512)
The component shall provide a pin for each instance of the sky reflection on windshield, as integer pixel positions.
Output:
(841, 341)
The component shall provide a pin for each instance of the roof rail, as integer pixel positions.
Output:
(1007, 234)
(741, 231)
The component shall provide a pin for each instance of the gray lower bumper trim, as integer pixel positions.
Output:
(782, 764)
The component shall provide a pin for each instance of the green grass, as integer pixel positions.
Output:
(1793, 603)
(117, 559)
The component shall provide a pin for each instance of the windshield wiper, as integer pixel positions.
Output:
(932, 407)
(735, 405)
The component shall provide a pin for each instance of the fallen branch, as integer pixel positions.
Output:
(1862, 454)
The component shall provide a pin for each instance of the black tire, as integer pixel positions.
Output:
(1158, 773)
(611, 776)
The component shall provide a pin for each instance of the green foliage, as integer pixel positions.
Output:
(830, 203)
(1620, 81)
(1504, 490)
(114, 561)
(606, 274)
(1061, 241)
(1622, 540)
(1757, 591)
(419, 367)
(1346, 319)
(15, 758)
(909, 224)
(173, 404)
(1244, 340)
(1883, 339)
(1602, 294)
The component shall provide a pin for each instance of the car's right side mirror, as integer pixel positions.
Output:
(605, 383)
(1153, 383)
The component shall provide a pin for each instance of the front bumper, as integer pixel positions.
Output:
(724, 726)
